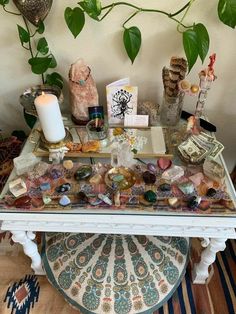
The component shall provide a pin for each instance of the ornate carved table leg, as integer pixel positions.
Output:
(208, 256)
(30, 248)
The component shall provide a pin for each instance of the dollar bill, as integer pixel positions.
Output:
(218, 148)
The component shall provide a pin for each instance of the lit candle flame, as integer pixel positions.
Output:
(43, 93)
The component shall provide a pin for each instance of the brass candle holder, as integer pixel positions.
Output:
(56, 150)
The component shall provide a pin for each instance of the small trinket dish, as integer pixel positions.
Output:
(17, 187)
(128, 178)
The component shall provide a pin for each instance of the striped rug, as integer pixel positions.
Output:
(216, 297)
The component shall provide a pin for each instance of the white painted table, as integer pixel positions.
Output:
(214, 229)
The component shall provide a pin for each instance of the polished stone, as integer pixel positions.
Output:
(55, 173)
(64, 200)
(63, 188)
(22, 202)
(186, 187)
(68, 164)
(204, 205)
(164, 163)
(173, 202)
(37, 202)
(151, 167)
(83, 173)
(165, 187)
(149, 178)
(211, 192)
(117, 199)
(193, 202)
(94, 201)
(46, 199)
(82, 198)
(105, 199)
(150, 196)
(118, 178)
(45, 186)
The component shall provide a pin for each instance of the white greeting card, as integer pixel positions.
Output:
(121, 101)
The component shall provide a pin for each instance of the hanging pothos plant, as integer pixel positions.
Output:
(195, 37)
(41, 58)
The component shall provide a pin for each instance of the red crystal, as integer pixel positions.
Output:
(22, 202)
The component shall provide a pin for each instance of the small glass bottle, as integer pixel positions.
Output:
(171, 109)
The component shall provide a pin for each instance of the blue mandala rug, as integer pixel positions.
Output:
(115, 274)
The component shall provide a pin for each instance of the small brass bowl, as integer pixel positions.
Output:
(128, 181)
(28, 96)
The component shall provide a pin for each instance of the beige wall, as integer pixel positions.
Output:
(100, 44)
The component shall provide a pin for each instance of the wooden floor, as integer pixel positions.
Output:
(216, 297)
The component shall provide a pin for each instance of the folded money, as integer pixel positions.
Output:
(197, 147)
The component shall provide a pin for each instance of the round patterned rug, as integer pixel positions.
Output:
(115, 274)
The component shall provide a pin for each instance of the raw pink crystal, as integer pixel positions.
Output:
(197, 178)
(83, 90)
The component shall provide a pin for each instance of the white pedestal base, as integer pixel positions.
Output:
(208, 256)
(30, 249)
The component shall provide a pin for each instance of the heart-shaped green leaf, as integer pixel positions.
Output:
(132, 40)
(92, 7)
(227, 12)
(75, 20)
(202, 40)
(4, 2)
(23, 35)
(190, 43)
(54, 79)
(42, 46)
(41, 27)
(40, 65)
(53, 63)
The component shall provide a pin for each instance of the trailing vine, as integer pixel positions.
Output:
(195, 37)
(41, 59)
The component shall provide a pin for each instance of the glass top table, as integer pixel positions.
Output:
(216, 225)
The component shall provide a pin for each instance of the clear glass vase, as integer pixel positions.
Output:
(171, 109)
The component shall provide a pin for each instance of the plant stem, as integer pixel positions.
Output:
(4, 8)
(133, 15)
(181, 10)
(185, 13)
(28, 30)
(169, 15)
(120, 3)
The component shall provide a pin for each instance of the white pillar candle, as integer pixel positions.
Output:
(50, 117)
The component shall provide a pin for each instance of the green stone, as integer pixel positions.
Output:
(118, 178)
(83, 172)
(150, 196)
